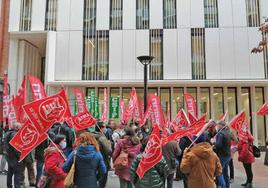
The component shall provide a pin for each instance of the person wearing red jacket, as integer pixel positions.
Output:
(54, 160)
(245, 155)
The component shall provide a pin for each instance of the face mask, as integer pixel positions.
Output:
(63, 145)
(147, 130)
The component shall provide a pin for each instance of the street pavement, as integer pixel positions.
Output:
(259, 170)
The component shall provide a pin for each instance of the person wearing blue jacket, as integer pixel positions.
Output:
(89, 165)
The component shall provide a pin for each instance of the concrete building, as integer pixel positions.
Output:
(200, 46)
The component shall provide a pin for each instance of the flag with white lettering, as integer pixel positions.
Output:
(80, 100)
(5, 100)
(190, 104)
(12, 118)
(157, 115)
(82, 121)
(38, 91)
(237, 121)
(105, 106)
(19, 100)
(180, 120)
(263, 110)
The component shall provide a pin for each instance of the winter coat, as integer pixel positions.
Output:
(130, 146)
(153, 178)
(171, 152)
(223, 143)
(53, 166)
(202, 165)
(39, 151)
(12, 153)
(245, 151)
(89, 164)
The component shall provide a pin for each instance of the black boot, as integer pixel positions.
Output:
(244, 184)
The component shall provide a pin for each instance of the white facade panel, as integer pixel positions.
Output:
(239, 13)
(50, 56)
(129, 14)
(183, 13)
(184, 54)
(77, 15)
(63, 15)
(128, 55)
(14, 15)
(212, 49)
(225, 13)
(103, 14)
(62, 56)
(13, 65)
(75, 55)
(38, 15)
(170, 50)
(142, 48)
(227, 53)
(115, 55)
(263, 8)
(197, 13)
(156, 14)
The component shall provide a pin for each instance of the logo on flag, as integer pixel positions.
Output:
(82, 121)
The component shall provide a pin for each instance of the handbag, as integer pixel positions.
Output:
(121, 161)
(69, 180)
(44, 181)
(256, 151)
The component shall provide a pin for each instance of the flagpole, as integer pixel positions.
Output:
(60, 151)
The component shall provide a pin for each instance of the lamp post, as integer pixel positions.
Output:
(145, 60)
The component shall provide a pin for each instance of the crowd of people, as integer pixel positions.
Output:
(200, 161)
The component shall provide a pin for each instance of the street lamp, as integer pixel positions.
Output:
(145, 60)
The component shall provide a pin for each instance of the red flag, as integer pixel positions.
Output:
(45, 112)
(197, 126)
(243, 132)
(263, 110)
(152, 153)
(105, 106)
(180, 120)
(26, 139)
(5, 100)
(223, 116)
(12, 114)
(38, 91)
(82, 121)
(80, 100)
(131, 105)
(147, 114)
(167, 121)
(122, 110)
(203, 118)
(237, 121)
(20, 100)
(192, 119)
(190, 104)
(157, 113)
(179, 134)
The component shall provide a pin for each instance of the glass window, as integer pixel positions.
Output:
(245, 102)
(153, 91)
(142, 14)
(259, 101)
(51, 15)
(156, 50)
(211, 13)
(218, 102)
(165, 99)
(170, 16)
(116, 15)
(126, 95)
(253, 13)
(198, 54)
(205, 102)
(231, 102)
(100, 100)
(265, 55)
(178, 100)
(115, 92)
(25, 15)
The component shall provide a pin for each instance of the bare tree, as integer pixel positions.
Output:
(262, 44)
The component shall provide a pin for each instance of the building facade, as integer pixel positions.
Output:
(200, 47)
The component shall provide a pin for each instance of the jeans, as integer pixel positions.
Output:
(223, 180)
(39, 170)
(231, 167)
(125, 184)
(170, 180)
(30, 171)
(103, 180)
(14, 168)
(248, 169)
(185, 180)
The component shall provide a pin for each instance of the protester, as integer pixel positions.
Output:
(118, 134)
(27, 163)
(234, 142)
(153, 178)
(54, 159)
(3, 162)
(13, 157)
(245, 155)
(109, 130)
(89, 162)
(39, 157)
(129, 144)
(171, 152)
(201, 164)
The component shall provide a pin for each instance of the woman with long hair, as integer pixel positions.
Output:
(89, 166)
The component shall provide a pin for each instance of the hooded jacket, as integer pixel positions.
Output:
(171, 152)
(88, 167)
(245, 151)
(202, 165)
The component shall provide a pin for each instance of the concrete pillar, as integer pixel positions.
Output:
(211, 103)
(253, 115)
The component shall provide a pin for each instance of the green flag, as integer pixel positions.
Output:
(96, 108)
(114, 107)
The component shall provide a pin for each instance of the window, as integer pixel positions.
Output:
(177, 101)
(51, 15)
(156, 50)
(218, 102)
(165, 99)
(231, 102)
(265, 55)
(205, 101)
(253, 13)
(116, 14)
(259, 101)
(246, 104)
(170, 16)
(25, 15)
(142, 14)
(211, 13)
(198, 54)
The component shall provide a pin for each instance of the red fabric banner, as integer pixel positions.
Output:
(131, 105)
(27, 139)
(122, 110)
(157, 113)
(237, 121)
(179, 134)
(45, 112)
(190, 104)
(223, 116)
(82, 121)
(203, 117)
(263, 110)
(152, 153)
(180, 120)
(105, 106)
(146, 115)
(19, 101)
(38, 91)
(12, 118)
(243, 132)
(80, 100)
(167, 121)
(192, 119)
(138, 110)
(5, 100)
